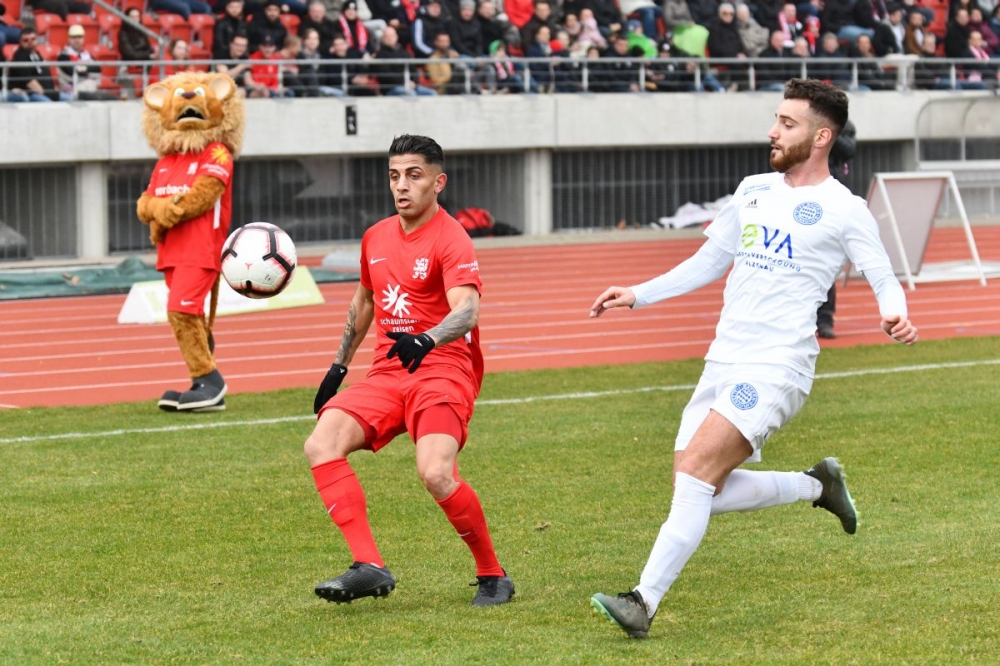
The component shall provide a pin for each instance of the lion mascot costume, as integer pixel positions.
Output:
(195, 124)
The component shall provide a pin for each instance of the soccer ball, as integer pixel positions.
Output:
(258, 260)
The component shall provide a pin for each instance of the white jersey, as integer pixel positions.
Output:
(789, 244)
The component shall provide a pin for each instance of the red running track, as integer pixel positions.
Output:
(72, 351)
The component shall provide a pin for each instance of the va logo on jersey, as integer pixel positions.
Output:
(396, 301)
(420, 268)
(751, 233)
(743, 396)
(807, 213)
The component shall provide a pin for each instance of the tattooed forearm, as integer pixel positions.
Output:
(459, 321)
(360, 314)
(346, 350)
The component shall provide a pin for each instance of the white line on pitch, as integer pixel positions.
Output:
(480, 403)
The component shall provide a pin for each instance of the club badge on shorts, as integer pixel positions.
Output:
(743, 396)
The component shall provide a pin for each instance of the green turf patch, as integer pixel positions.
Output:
(126, 539)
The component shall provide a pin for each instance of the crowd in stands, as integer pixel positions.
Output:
(428, 47)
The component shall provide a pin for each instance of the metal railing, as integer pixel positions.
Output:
(580, 75)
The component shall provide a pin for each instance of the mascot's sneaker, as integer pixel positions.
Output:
(168, 401)
(205, 394)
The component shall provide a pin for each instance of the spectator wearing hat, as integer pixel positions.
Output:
(180, 7)
(353, 28)
(392, 79)
(82, 78)
(267, 23)
(466, 32)
(316, 19)
(31, 84)
(264, 79)
(428, 25)
(890, 34)
(232, 21)
(504, 76)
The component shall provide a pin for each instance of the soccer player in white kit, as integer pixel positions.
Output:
(786, 235)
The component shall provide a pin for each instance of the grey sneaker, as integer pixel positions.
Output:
(168, 402)
(627, 611)
(835, 497)
(493, 590)
(361, 580)
(206, 392)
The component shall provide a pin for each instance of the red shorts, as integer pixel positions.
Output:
(390, 403)
(188, 285)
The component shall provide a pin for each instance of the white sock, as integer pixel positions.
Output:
(678, 539)
(746, 490)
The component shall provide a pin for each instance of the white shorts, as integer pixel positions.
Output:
(756, 398)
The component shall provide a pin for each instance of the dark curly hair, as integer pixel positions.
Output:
(825, 100)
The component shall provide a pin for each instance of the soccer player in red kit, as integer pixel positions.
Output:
(420, 285)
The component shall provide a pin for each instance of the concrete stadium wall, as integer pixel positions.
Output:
(110, 131)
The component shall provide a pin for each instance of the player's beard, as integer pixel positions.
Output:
(791, 157)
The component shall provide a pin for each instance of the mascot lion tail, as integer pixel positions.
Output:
(211, 314)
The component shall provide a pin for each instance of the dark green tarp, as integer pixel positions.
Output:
(15, 284)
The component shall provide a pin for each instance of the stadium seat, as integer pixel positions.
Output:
(102, 52)
(129, 4)
(52, 28)
(291, 22)
(202, 29)
(199, 53)
(110, 25)
(173, 27)
(14, 11)
(8, 51)
(91, 28)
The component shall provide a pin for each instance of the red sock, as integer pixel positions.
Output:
(466, 514)
(345, 502)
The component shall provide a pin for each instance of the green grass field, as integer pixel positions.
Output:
(131, 536)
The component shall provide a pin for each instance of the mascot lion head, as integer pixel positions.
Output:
(187, 111)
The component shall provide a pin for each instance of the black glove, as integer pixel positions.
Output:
(410, 348)
(329, 387)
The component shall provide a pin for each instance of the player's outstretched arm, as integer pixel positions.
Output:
(612, 297)
(900, 329)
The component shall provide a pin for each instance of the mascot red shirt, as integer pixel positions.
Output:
(198, 242)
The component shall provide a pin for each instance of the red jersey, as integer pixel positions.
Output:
(410, 275)
(266, 74)
(198, 241)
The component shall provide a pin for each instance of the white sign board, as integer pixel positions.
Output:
(146, 302)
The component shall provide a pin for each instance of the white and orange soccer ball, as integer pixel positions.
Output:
(258, 260)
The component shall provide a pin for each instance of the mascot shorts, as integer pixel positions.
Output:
(189, 286)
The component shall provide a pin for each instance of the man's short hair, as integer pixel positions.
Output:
(412, 144)
(826, 101)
